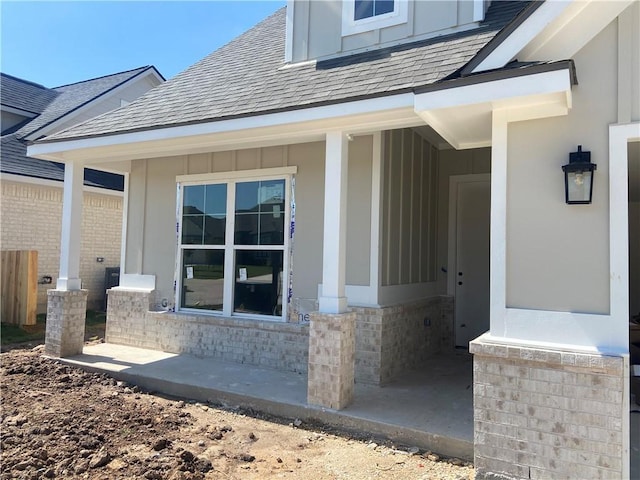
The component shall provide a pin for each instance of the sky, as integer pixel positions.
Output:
(55, 43)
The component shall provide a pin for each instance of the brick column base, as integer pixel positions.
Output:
(66, 315)
(543, 413)
(331, 359)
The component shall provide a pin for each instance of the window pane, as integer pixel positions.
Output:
(246, 229)
(192, 229)
(363, 9)
(271, 229)
(247, 197)
(260, 213)
(383, 6)
(202, 279)
(258, 282)
(193, 201)
(216, 199)
(214, 229)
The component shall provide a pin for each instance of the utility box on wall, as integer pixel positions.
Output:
(111, 279)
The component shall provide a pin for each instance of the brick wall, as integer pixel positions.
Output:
(394, 339)
(547, 414)
(389, 340)
(278, 345)
(31, 219)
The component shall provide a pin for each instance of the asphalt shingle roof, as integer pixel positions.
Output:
(70, 97)
(51, 105)
(248, 76)
(18, 93)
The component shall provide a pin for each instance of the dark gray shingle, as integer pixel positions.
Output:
(248, 77)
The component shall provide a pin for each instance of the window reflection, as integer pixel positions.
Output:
(259, 213)
(258, 282)
(202, 279)
(204, 213)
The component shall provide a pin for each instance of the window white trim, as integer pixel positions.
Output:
(202, 178)
(352, 27)
(231, 179)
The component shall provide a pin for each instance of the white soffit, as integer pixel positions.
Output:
(462, 115)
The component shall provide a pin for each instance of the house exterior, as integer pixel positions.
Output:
(32, 190)
(349, 188)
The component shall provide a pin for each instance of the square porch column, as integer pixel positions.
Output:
(332, 331)
(67, 304)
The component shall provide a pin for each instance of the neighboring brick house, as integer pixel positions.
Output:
(398, 166)
(32, 190)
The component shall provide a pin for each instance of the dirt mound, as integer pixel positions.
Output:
(61, 422)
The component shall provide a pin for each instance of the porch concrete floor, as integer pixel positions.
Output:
(431, 408)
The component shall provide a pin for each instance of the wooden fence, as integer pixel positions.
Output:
(19, 288)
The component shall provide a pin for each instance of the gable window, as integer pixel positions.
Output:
(233, 235)
(360, 16)
(371, 8)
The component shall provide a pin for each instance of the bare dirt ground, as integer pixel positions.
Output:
(61, 422)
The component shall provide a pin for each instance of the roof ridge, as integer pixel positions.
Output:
(145, 67)
(28, 82)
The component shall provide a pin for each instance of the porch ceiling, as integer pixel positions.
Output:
(462, 115)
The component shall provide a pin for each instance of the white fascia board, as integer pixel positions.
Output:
(358, 115)
(51, 128)
(525, 33)
(45, 182)
(498, 90)
(572, 30)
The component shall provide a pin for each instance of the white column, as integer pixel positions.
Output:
(69, 278)
(333, 299)
(498, 241)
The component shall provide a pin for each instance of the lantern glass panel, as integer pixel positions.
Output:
(579, 186)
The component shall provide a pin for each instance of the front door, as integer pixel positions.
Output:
(471, 272)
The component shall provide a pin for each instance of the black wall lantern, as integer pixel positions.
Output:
(578, 177)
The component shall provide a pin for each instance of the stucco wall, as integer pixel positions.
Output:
(317, 28)
(152, 204)
(559, 251)
(31, 220)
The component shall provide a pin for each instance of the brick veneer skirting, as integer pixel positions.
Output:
(130, 321)
(547, 414)
(389, 340)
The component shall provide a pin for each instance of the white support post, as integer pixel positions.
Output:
(70, 243)
(333, 299)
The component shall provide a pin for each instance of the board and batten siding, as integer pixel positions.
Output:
(409, 209)
(151, 222)
(317, 27)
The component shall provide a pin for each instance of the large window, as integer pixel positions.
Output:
(232, 244)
